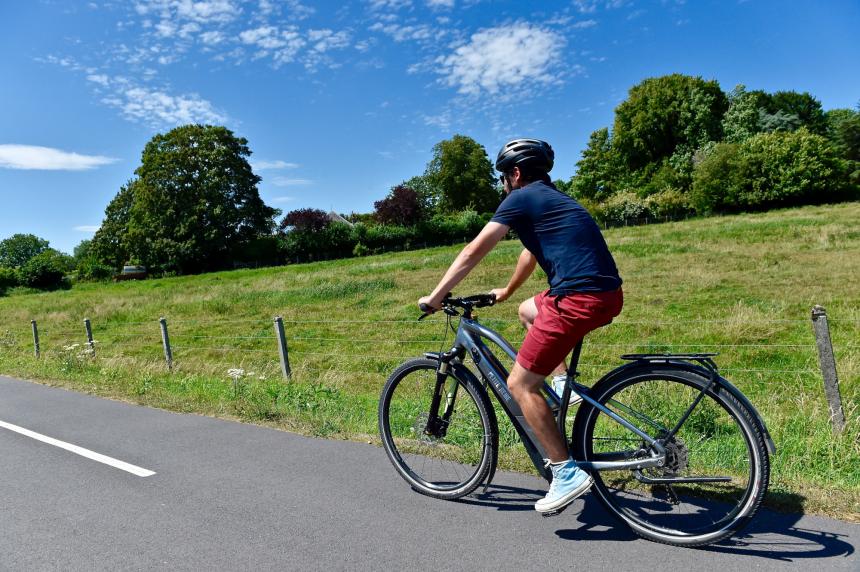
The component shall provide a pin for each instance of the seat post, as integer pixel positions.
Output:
(574, 361)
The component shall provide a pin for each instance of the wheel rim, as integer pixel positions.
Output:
(712, 442)
(441, 462)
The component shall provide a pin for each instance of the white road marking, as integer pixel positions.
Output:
(122, 465)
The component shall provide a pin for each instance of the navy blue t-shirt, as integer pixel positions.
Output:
(562, 236)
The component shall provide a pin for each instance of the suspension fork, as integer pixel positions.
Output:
(444, 397)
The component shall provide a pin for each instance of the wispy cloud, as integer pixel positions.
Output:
(87, 228)
(271, 165)
(31, 157)
(283, 199)
(498, 58)
(287, 182)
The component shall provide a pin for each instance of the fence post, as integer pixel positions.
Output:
(35, 337)
(90, 336)
(282, 347)
(828, 368)
(165, 341)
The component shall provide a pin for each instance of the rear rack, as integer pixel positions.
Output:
(702, 358)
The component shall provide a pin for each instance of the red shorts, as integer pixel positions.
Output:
(561, 322)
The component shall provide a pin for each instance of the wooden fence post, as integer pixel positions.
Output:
(35, 337)
(165, 341)
(828, 368)
(282, 347)
(90, 336)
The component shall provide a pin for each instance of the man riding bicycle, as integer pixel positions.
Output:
(584, 293)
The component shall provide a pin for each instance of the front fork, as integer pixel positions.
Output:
(444, 397)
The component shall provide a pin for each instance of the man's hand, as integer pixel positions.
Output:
(434, 305)
(502, 294)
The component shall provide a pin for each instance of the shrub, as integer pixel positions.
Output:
(770, 170)
(305, 220)
(8, 279)
(90, 269)
(623, 208)
(45, 271)
(670, 203)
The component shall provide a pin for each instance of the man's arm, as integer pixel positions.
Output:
(525, 266)
(468, 258)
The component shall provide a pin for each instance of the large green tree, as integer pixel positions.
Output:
(194, 204)
(665, 116)
(18, 249)
(461, 176)
(741, 121)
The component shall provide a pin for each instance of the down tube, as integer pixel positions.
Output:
(497, 380)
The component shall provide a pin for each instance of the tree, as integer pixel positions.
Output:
(305, 220)
(741, 121)
(110, 243)
(194, 202)
(669, 115)
(16, 250)
(599, 170)
(777, 121)
(402, 206)
(806, 108)
(843, 130)
(462, 176)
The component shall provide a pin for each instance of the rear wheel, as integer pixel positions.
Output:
(716, 469)
(446, 455)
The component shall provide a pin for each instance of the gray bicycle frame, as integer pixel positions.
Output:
(469, 338)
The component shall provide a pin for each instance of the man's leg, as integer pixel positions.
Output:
(568, 480)
(525, 388)
(528, 313)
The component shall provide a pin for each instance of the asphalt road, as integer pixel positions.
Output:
(230, 496)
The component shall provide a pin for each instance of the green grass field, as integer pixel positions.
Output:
(743, 286)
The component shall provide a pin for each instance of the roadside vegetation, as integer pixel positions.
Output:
(742, 285)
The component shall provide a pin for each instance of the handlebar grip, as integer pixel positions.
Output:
(425, 308)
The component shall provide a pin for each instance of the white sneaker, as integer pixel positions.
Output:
(568, 483)
(558, 382)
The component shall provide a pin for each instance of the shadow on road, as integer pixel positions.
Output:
(771, 535)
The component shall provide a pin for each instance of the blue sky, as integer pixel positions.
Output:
(340, 101)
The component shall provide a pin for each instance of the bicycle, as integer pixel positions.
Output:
(677, 452)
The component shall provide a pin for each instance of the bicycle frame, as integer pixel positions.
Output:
(469, 339)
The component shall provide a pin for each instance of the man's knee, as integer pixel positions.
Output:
(522, 381)
(528, 312)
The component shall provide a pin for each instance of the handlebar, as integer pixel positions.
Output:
(466, 303)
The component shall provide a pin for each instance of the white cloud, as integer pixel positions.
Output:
(264, 165)
(584, 24)
(286, 182)
(283, 199)
(496, 59)
(156, 107)
(100, 79)
(402, 33)
(389, 4)
(87, 228)
(440, 3)
(198, 11)
(33, 157)
(325, 40)
(285, 44)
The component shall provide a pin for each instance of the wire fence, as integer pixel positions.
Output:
(320, 345)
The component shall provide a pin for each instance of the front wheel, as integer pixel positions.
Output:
(445, 447)
(716, 469)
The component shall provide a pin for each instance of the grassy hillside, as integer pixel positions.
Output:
(741, 285)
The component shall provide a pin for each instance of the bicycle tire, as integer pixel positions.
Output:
(721, 438)
(453, 465)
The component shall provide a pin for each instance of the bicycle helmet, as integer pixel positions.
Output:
(531, 154)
